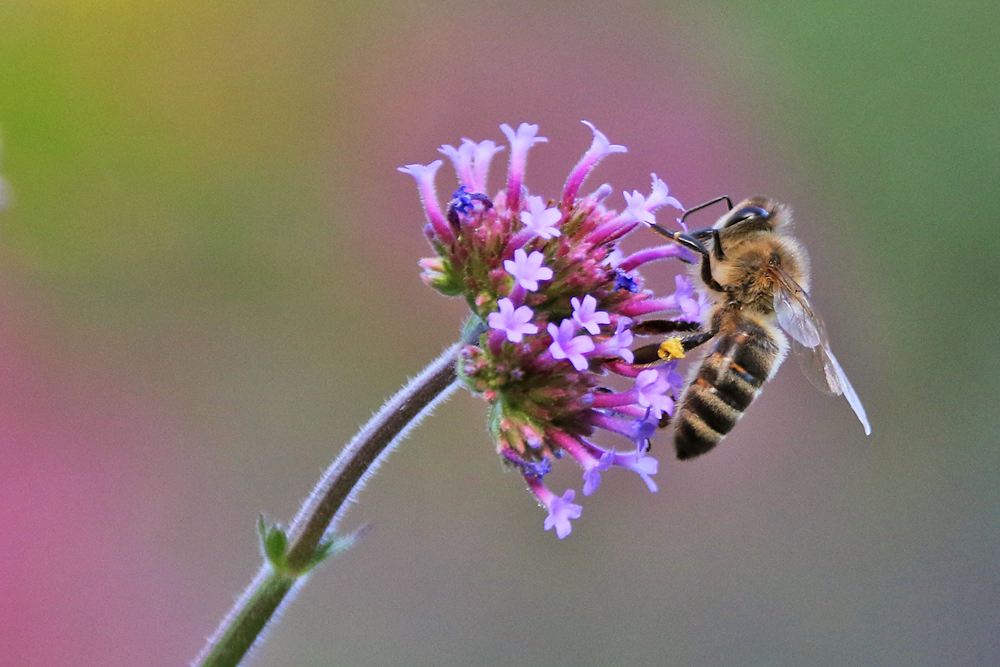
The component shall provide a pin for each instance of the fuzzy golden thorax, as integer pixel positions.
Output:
(753, 249)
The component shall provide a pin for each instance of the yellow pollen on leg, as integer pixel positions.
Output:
(672, 348)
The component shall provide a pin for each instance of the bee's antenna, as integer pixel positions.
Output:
(691, 210)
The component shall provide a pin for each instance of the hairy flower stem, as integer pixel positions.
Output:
(260, 602)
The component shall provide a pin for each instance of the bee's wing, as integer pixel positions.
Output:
(798, 319)
(795, 314)
(822, 368)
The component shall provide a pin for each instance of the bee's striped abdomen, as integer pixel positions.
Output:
(727, 382)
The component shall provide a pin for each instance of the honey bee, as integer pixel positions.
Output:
(756, 277)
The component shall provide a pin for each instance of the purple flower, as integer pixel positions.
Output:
(472, 162)
(595, 460)
(660, 196)
(514, 323)
(566, 346)
(599, 149)
(540, 220)
(693, 306)
(650, 388)
(533, 469)
(424, 175)
(635, 208)
(642, 465)
(561, 510)
(618, 345)
(642, 431)
(520, 143)
(624, 281)
(461, 157)
(553, 281)
(527, 269)
(591, 464)
(641, 208)
(668, 372)
(652, 254)
(585, 314)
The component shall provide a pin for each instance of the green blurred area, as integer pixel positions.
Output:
(204, 212)
(894, 108)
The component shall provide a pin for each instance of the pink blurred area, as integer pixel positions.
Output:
(93, 495)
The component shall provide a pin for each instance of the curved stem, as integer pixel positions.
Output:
(318, 517)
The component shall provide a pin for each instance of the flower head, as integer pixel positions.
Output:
(560, 300)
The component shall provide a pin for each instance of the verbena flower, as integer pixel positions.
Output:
(559, 300)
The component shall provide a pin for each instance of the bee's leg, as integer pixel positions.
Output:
(659, 327)
(647, 355)
(694, 340)
(686, 240)
(693, 242)
(706, 257)
(707, 277)
(703, 235)
(717, 245)
(656, 353)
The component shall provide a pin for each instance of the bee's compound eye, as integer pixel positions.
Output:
(746, 213)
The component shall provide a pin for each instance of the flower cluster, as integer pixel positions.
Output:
(559, 301)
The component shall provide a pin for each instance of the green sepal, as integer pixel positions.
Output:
(449, 281)
(493, 418)
(473, 328)
(273, 542)
(449, 287)
(334, 547)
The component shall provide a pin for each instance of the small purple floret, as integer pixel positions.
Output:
(642, 430)
(600, 148)
(692, 306)
(625, 281)
(561, 511)
(619, 344)
(530, 469)
(461, 157)
(585, 314)
(641, 208)
(650, 388)
(566, 346)
(462, 201)
(514, 323)
(424, 175)
(635, 208)
(482, 155)
(521, 142)
(527, 269)
(644, 466)
(540, 220)
(660, 196)
(472, 161)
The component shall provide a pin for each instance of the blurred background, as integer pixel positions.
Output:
(208, 280)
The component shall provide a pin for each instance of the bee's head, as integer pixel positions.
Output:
(754, 214)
